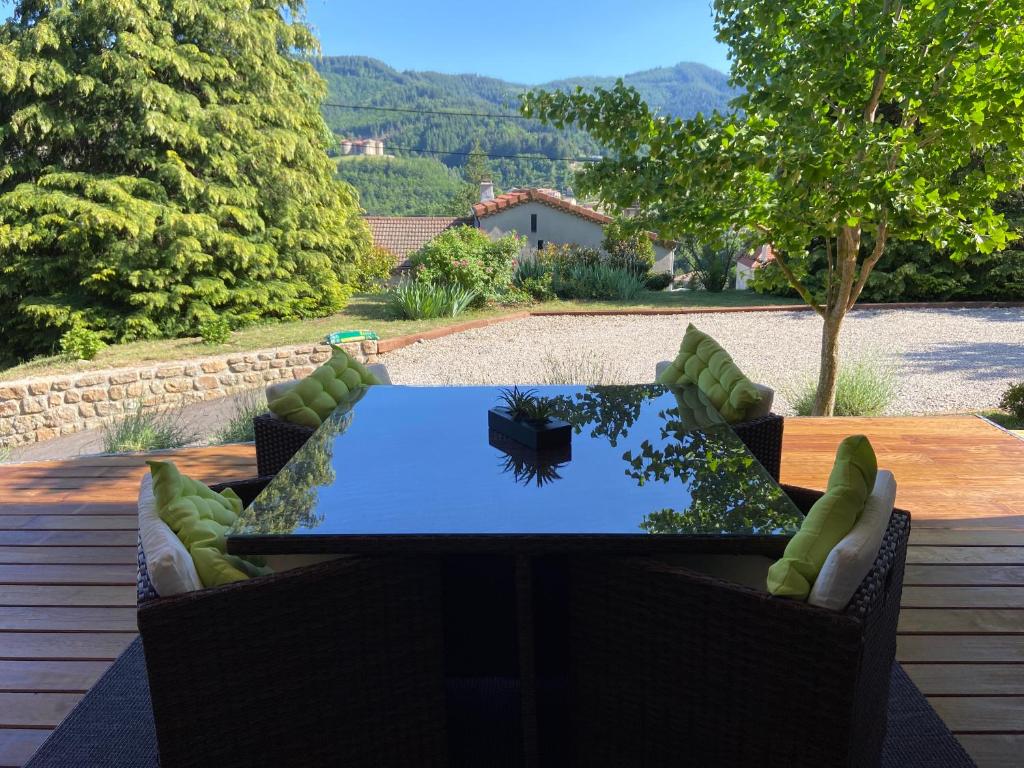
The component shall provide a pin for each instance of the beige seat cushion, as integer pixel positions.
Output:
(171, 568)
(278, 388)
(760, 409)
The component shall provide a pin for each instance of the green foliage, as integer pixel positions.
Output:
(161, 160)
(245, 408)
(466, 257)
(5, 453)
(658, 281)
(214, 331)
(146, 431)
(403, 186)
(421, 300)
(598, 281)
(1012, 400)
(476, 170)
(910, 139)
(711, 264)
(373, 270)
(682, 90)
(533, 276)
(626, 249)
(80, 343)
(526, 405)
(862, 389)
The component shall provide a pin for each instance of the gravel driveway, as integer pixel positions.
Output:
(944, 360)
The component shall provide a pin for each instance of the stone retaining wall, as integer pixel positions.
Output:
(36, 409)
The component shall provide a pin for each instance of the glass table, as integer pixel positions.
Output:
(416, 472)
(416, 469)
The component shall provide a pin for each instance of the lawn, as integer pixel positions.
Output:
(364, 311)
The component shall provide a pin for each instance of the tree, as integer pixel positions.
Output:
(877, 120)
(163, 162)
(476, 170)
(628, 248)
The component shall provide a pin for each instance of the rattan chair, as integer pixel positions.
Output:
(278, 440)
(338, 663)
(762, 435)
(673, 667)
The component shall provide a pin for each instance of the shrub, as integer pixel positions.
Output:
(467, 258)
(862, 389)
(373, 269)
(596, 282)
(79, 343)
(147, 431)
(214, 331)
(421, 300)
(658, 281)
(1012, 401)
(245, 407)
(711, 265)
(587, 368)
(568, 255)
(533, 277)
(631, 251)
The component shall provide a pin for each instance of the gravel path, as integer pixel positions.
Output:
(943, 360)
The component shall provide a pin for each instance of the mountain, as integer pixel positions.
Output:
(682, 90)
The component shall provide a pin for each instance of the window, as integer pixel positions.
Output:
(533, 222)
(540, 245)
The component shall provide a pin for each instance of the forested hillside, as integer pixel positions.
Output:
(402, 186)
(681, 91)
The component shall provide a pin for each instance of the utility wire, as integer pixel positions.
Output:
(410, 110)
(590, 159)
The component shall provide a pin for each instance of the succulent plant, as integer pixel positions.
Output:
(527, 405)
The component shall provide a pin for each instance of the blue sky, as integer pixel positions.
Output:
(529, 41)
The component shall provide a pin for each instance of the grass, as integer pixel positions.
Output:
(147, 431)
(1004, 420)
(5, 453)
(364, 311)
(580, 369)
(239, 427)
(863, 388)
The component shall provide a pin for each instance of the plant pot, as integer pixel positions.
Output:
(550, 434)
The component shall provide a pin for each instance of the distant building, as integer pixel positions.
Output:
(402, 236)
(747, 263)
(544, 216)
(361, 147)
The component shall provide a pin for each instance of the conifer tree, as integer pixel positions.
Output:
(163, 162)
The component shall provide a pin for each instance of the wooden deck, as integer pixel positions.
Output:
(67, 571)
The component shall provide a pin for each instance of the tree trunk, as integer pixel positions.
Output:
(828, 370)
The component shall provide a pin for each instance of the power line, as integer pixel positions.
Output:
(592, 158)
(411, 110)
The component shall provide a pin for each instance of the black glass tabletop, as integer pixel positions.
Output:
(419, 467)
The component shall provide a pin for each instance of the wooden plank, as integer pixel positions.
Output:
(74, 594)
(68, 522)
(112, 575)
(68, 619)
(53, 676)
(992, 750)
(966, 537)
(69, 555)
(968, 679)
(48, 507)
(963, 597)
(17, 745)
(961, 620)
(980, 714)
(46, 646)
(35, 710)
(960, 648)
(966, 555)
(68, 538)
(964, 575)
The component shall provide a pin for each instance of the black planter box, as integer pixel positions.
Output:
(552, 434)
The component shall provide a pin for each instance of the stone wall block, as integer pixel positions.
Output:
(9, 408)
(39, 387)
(12, 392)
(94, 395)
(214, 366)
(33, 405)
(181, 384)
(169, 371)
(206, 382)
(60, 385)
(124, 377)
(90, 381)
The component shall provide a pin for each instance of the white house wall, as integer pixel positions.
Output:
(556, 227)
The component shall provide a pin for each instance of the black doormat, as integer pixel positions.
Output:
(112, 727)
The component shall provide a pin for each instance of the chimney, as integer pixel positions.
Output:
(486, 191)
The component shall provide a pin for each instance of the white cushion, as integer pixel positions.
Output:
(851, 559)
(170, 566)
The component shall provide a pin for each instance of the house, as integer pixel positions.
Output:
(544, 216)
(747, 263)
(402, 236)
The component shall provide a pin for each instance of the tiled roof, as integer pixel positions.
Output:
(520, 196)
(404, 235)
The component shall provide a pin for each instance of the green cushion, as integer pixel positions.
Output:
(694, 411)
(313, 399)
(200, 518)
(828, 521)
(703, 362)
